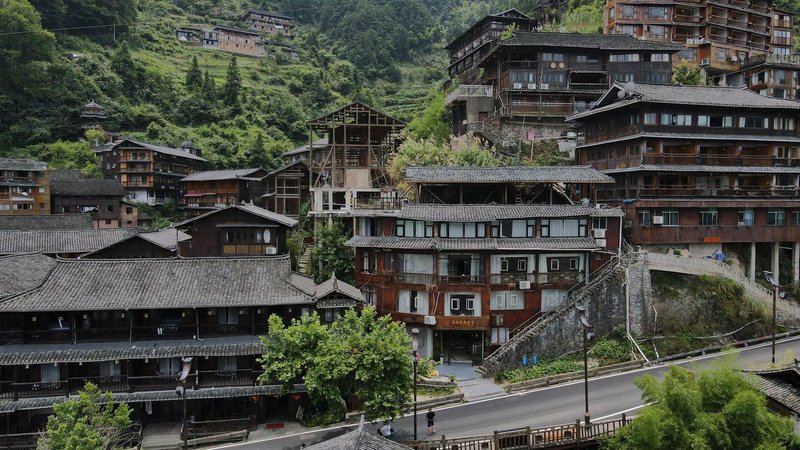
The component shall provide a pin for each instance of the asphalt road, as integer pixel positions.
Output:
(609, 396)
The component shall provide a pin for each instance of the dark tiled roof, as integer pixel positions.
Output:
(161, 149)
(332, 285)
(65, 175)
(267, 13)
(16, 354)
(305, 148)
(90, 284)
(216, 175)
(583, 40)
(781, 385)
(252, 209)
(60, 241)
(695, 137)
(25, 404)
(702, 168)
(363, 438)
(442, 244)
(167, 238)
(20, 273)
(22, 164)
(487, 213)
(505, 174)
(47, 222)
(87, 187)
(237, 30)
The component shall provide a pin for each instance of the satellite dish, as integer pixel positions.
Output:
(553, 65)
(621, 94)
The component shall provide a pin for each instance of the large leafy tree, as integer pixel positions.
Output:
(430, 152)
(233, 86)
(687, 75)
(714, 410)
(330, 255)
(90, 422)
(362, 354)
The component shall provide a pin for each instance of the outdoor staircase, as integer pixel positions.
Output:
(706, 266)
(576, 295)
(490, 131)
(304, 263)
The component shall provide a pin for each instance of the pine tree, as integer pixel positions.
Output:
(209, 88)
(233, 86)
(123, 64)
(194, 78)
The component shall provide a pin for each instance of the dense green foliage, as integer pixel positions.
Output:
(330, 256)
(361, 355)
(91, 421)
(687, 75)
(714, 410)
(427, 152)
(544, 368)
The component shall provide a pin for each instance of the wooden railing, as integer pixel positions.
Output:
(194, 430)
(23, 441)
(414, 278)
(527, 438)
(223, 378)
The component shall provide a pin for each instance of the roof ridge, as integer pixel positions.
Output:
(175, 258)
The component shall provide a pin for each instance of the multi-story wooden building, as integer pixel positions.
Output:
(267, 22)
(141, 328)
(150, 173)
(482, 250)
(706, 168)
(236, 230)
(24, 189)
(718, 35)
(351, 167)
(521, 88)
(70, 192)
(204, 191)
(287, 188)
(234, 40)
(772, 75)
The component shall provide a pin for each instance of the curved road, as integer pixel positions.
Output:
(609, 396)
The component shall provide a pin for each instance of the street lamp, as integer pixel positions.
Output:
(586, 337)
(180, 391)
(775, 288)
(415, 359)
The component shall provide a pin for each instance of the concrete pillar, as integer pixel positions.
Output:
(751, 268)
(776, 260)
(796, 262)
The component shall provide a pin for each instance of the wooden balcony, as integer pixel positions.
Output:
(462, 279)
(698, 234)
(166, 330)
(111, 383)
(103, 334)
(414, 278)
(243, 329)
(39, 389)
(223, 378)
(159, 382)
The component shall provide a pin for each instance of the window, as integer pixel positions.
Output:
(41, 190)
(169, 366)
(709, 217)
(600, 223)
(553, 77)
(657, 31)
(370, 295)
(462, 230)
(721, 121)
(413, 228)
(553, 57)
(721, 54)
(676, 119)
(660, 57)
(796, 217)
(108, 221)
(634, 119)
(368, 226)
(228, 316)
(555, 265)
(369, 262)
(754, 122)
(49, 373)
(128, 210)
(564, 227)
(503, 300)
(628, 12)
(746, 217)
(776, 217)
(657, 12)
(247, 236)
(499, 335)
(466, 304)
(109, 208)
(624, 57)
(514, 228)
(784, 123)
(671, 218)
(650, 118)
(414, 263)
(412, 302)
(624, 76)
(514, 264)
(65, 209)
(702, 121)
(689, 54)
(573, 264)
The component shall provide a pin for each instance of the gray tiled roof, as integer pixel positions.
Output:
(65, 175)
(695, 137)
(487, 213)
(161, 149)
(584, 40)
(332, 285)
(454, 244)
(360, 439)
(703, 168)
(16, 354)
(25, 404)
(781, 385)
(47, 222)
(505, 174)
(252, 209)
(20, 273)
(215, 175)
(305, 148)
(87, 187)
(60, 241)
(91, 284)
(167, 238)
(22, 164)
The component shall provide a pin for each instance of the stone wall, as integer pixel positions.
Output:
(640, 299)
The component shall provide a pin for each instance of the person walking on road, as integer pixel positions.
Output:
(431, 416)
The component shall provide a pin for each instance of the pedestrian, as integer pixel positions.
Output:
(431, 416)
(386, 430)
(524, 359)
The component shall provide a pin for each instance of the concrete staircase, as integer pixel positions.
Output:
(304, 263)
(576, 295)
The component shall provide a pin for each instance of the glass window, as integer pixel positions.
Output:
(600, 223)
(650, 118)
(413, 302)
(776, 217)
(753, 122)
(746, 217)
(499, 335)
(784, 123)
(702, 121)
(671, 218)
(709, 217)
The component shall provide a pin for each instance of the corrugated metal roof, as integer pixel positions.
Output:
(443, 244)
(505, 174)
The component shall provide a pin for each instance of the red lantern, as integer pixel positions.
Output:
(295, 397)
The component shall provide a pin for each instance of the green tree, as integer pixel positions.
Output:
(434, 123)
(687, 75)
(330, 255)
(194, 77)
(429, 152)
(131, 73)
(364, 354)
(715, 409)
(232, 89)
(90, 422)
(26, 40)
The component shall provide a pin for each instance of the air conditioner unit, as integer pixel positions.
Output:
(734, 58)
(270, 251)
(429, 320)
(517, 85)
(599, 233)
(524, 284)
(741, 224)
(601, 242)
(658, 220)
(544, 86)
(497, 320)
(531, 86)
(705, 62)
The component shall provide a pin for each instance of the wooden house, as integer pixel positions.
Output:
(234, 40)
(213, 189)
(155, 244)
(24, 189)
(268, 22)
(287, 188)
(71, 193)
